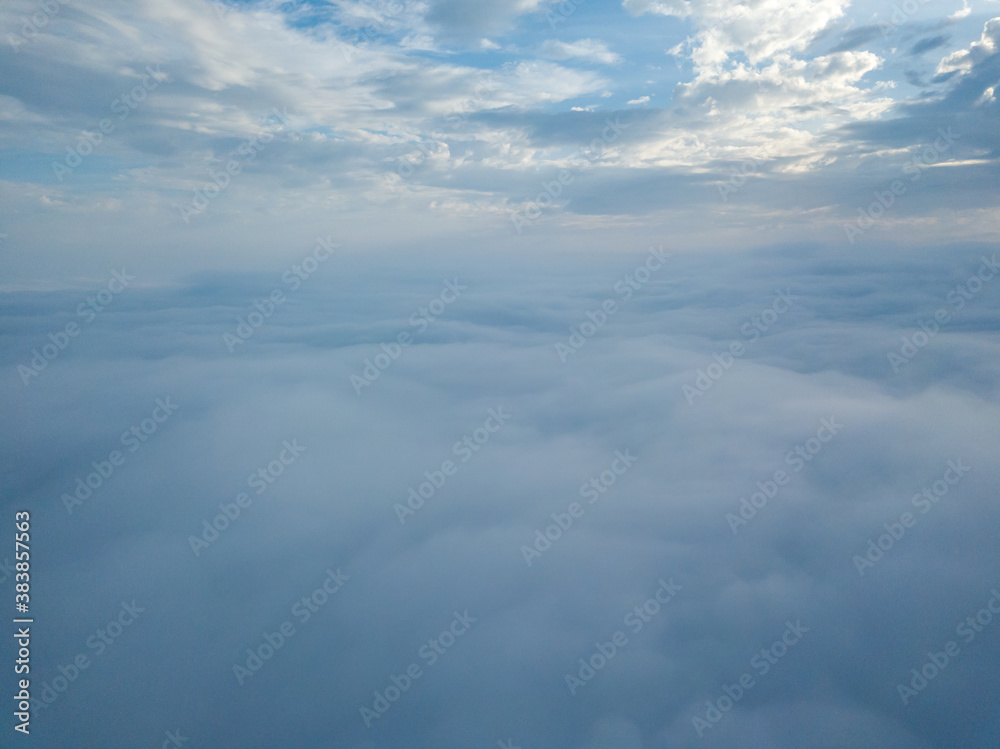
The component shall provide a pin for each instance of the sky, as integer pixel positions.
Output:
(527, 374)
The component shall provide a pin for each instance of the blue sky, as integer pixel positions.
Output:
(396, 358)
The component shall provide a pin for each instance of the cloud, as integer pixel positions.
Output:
(586, 49)
(856, 37)
(759, 31)
(964, 12)
(475, 135)
(925, 45)
(663, 519)
(978, 53)
(792, 223)
(680, 8)
(458, 19)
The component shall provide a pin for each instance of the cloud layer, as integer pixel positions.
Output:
(669, 516)
(524, 373)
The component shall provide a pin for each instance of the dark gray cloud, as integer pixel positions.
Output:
(476, 19)
(929, 43)
(855, 38)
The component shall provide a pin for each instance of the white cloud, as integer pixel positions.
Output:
(963, 60)
(358, 108)
(958, 15)
(752, 85)
(679, 8)
(587, 49)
